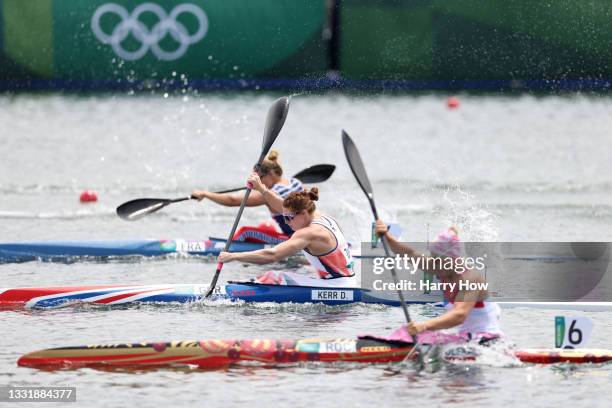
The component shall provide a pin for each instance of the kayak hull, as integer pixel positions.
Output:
(216, 353)
(220, 353)
(567, 306)
(66, 251)
(552, 356)
(53, 297)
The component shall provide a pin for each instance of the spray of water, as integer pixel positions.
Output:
(474, 221)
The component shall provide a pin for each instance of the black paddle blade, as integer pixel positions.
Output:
(316, 174)
(136, 209)
(356, 165)
(274, 123)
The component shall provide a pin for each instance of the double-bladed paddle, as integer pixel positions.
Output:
(136, 209)
(274, 123)
(358, 169)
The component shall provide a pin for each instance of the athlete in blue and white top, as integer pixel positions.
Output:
(271, 174)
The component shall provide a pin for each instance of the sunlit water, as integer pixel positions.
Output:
(501, 168)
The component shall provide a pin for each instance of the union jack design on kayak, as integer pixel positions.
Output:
(51, 297)
(106, 295)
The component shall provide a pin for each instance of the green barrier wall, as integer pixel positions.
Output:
(475, 39)
(201, 39)
(286, 43)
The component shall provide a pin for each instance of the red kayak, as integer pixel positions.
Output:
(220, 353)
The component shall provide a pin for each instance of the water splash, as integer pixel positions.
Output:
(475, 222)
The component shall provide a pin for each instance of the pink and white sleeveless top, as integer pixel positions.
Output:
(337, 263)
(483, 318)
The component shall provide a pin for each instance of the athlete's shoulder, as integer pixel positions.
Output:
(284, 190)
(295, 182)
(311, 232)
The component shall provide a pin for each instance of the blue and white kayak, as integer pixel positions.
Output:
(74, 251)
(70, 251)
(52, 297)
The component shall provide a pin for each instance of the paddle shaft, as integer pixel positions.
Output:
(231, 190)
(229, 242)
(178, 200)
(383, 239)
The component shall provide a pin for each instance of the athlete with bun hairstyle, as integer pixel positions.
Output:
(271, 175)
(318, 235)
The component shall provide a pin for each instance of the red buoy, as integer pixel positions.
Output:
(88, 196)
(452, 102)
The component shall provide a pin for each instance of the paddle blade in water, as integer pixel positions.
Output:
(316, 174)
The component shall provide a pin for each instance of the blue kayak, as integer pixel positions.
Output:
(74, 251)
(70, 251)
(51, 297)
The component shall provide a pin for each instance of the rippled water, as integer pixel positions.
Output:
(502, 168)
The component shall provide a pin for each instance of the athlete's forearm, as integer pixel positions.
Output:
(448, 320)
(261, 256)
(273, 200)
(228, 200)
(399, 247)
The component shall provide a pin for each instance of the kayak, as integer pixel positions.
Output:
(52, 297)
(67, 251)
(582, 306)
(73, 251)
(212, 354)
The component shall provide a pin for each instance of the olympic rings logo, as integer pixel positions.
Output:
(149, 38)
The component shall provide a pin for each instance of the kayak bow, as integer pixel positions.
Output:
(65, 251)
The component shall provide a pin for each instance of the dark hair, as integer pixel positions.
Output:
(270, 165)
(302, 200)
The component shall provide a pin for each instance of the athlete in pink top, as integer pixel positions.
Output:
(318, 236)
(466, 310)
